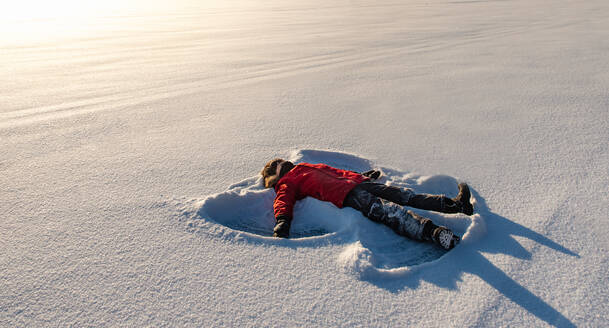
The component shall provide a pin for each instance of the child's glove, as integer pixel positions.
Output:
(282, 227)
(372, 174)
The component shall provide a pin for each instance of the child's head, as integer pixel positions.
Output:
(274, 170)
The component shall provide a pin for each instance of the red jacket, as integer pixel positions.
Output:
(319, 181)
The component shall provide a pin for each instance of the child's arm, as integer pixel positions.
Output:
(283, 208)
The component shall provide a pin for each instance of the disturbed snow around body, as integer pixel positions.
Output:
(131, 142)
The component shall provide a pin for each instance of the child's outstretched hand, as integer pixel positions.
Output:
(282, 227)
(372, 174)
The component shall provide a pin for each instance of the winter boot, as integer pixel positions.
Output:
(462, 199)
(445, 238)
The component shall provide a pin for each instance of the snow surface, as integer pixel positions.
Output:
(132, 137)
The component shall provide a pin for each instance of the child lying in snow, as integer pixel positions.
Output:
(378, 202)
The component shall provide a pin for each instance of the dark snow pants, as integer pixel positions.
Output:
(383, 204)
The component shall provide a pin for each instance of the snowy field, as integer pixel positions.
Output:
(132, 134)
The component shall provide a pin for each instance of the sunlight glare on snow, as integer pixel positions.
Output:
(46, 21)
(78, 9)
(37, 9)
(36, 20)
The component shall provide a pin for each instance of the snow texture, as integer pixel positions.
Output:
(132, 134)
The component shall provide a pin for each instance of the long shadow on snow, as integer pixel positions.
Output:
(469, 259)
(347, 227)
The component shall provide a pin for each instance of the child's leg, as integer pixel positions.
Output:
(406, 197)
(393, 194)
(403, 222)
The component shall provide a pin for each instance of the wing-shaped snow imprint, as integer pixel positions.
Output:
(245, 212)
